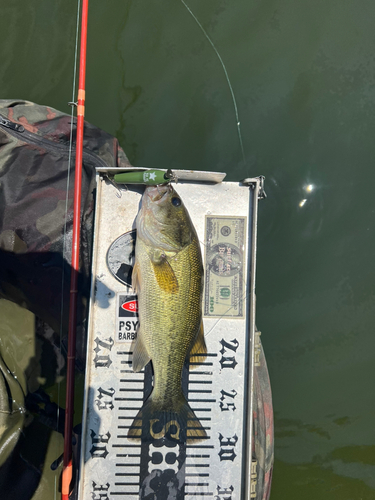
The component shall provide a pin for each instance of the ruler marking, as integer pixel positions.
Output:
(200, 382)
(129, 380)
(201, 446)
(198, 456)
(127, 427)
(132, 389)
(196, 474)
(203, 493)
(124, 493)
(202, 400)
(130, 417)
(206, 428)
(197, 465)
(127, 474)
(128, 455)
(196, 484)
(128, 399)
(126, 446)
(123, 436)
(127, 484)
(127, 465)
(195, 372)
(200, 391)
(131, 371)
(197, 437)
(130, 408)
(201, 409)
(192, 363)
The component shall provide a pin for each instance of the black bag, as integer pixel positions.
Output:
(35, 273)
(34, 154)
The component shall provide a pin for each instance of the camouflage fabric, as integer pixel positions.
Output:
(33, 184)
(34, 155)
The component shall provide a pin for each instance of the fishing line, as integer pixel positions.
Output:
(226, 76)
(66, 205)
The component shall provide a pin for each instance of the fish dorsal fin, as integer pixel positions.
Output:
(140, 354)
(136, 277)
(164, 273)
(199, 350)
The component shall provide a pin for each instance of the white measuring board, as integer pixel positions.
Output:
(218, 389)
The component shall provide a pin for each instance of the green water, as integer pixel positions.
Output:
(303, 74)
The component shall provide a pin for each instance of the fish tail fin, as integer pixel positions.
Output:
(195, 432)
(157, 421)
(135, 430)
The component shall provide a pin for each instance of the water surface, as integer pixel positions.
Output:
(303, 74)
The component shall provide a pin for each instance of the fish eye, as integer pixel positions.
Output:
(176, 201)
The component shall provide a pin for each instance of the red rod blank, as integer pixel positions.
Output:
(69, 405)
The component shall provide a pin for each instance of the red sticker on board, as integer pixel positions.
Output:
(131, 306)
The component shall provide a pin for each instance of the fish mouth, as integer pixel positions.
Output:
(158, 193)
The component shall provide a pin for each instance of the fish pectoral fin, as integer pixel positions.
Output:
(140, 354)
(164, 273)
(136, 277)
(198, 352)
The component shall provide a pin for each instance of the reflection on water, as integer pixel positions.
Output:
(319, 479)
(330, 472)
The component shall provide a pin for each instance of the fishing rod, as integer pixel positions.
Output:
(67, 473)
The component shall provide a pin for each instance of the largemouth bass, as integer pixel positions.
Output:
(168, 278)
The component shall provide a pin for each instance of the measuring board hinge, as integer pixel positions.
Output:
(252, 182)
